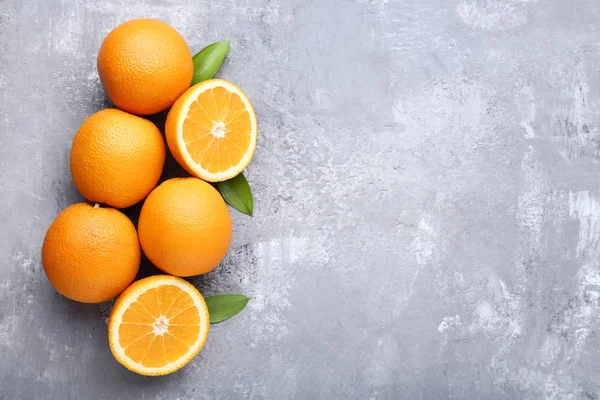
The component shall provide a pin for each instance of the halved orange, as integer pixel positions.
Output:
(158, 325)
(211, 130)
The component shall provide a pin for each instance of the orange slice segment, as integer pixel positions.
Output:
(211, 130)
(158, 325)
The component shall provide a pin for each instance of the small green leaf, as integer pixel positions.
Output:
(224, 306)
(208, 61)
(236, 192)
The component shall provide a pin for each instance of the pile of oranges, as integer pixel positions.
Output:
(91, 252)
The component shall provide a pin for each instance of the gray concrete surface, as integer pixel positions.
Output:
(427, 191)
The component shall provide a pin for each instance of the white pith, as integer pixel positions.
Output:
(219, 130)
(160, 326)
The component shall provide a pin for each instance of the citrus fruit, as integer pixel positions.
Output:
(144, 66)
(158, 325)
(211, 130)
(185, 227)
(117, 158)
(91, 254)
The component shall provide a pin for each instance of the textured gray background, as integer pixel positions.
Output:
(427, 191)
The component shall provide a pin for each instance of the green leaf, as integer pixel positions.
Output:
(208, 61)
(224, 306)
(236, 192)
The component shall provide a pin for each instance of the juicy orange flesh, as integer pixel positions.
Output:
(217, 112)
(166, 307)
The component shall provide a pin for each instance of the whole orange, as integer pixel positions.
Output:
(185, 227)
(91, 254)
(117, 158)
(144, 66)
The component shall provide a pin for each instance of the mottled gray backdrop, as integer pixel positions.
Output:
(427, 200)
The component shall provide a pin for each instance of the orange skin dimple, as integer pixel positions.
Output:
(91, 254)
(144, 65)
(117, 158)
(185, 227)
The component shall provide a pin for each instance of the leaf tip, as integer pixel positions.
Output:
(227, 44)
